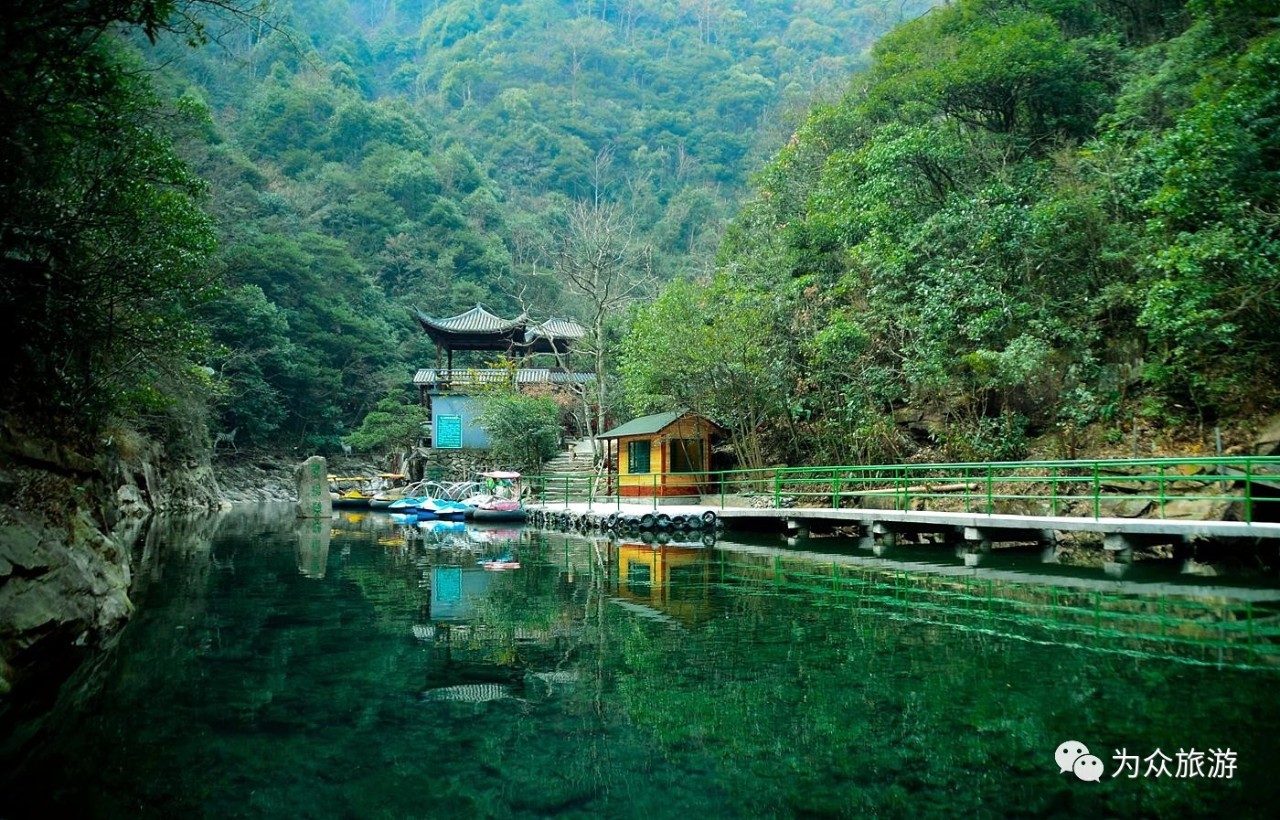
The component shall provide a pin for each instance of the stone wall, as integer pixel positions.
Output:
(451, 465)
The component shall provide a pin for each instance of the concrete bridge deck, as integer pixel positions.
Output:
(1014, 526)
(880, 529)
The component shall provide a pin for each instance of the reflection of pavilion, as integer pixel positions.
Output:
(675, 580)
(456, 591)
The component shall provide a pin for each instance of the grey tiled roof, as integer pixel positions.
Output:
(476, 320)
(556, 329)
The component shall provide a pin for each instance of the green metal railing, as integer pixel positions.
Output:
(1096, 489)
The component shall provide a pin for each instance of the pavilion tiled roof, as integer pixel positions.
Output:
(555, 329)
(476, 320)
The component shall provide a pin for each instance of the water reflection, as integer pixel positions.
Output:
(313, 537)
(379, 667)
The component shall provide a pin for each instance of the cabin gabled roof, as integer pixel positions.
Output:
(654, 424)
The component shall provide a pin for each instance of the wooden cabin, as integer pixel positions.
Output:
(666, 454)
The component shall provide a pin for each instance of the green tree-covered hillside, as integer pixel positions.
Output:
(1027, 216)
(367, 156)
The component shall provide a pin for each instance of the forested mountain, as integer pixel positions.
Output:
(1027, 217)
(1022, 216)
(367, 156)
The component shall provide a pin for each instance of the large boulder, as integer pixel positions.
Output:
(1268, 441)
(312, 479)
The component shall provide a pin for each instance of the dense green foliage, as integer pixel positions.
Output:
(391, 426)
(365, 158)
(1024, 217)
(102, 245)
(524, 431)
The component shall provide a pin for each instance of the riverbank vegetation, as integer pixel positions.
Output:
(1024, 219)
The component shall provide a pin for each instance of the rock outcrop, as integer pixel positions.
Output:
(67, 526)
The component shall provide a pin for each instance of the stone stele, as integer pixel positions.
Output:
(313, 488)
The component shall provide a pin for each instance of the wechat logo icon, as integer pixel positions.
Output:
(1073, 756)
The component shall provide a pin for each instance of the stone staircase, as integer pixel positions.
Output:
(571, 471)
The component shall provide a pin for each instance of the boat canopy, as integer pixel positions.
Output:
(501, 474)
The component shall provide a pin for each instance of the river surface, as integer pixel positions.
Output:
(366, 668)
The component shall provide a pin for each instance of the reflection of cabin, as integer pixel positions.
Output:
(668, 578)
(666, 454)
(451, 393)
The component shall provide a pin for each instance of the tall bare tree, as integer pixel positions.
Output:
(599, 259)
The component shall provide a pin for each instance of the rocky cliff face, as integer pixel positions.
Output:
(67, 527)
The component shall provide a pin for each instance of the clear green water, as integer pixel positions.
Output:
(371, 670)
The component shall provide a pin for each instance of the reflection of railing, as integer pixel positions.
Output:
(1222, 630)
(1156, 488)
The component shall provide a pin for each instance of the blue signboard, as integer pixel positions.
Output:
(448, 432)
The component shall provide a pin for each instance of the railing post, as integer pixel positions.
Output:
(777, 489)
(566, 492)
(835, 490)
(965, 481)
(1248, 491)
(1053, 499)
(906, 490)
(990, 506)
(724, 476)
(1097, 492)
(1160, 489)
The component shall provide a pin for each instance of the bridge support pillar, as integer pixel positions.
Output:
(1049, 553)
(1119, 547)
(797, 528)
(884, 538)
(1116, 569)
(977, 545)
(977, 539)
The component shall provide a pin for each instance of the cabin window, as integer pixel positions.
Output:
(686, 455)
(638, 457)
(639, 578)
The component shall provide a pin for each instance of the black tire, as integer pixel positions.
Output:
(709, 518)
(647, 521)
(663, 521)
